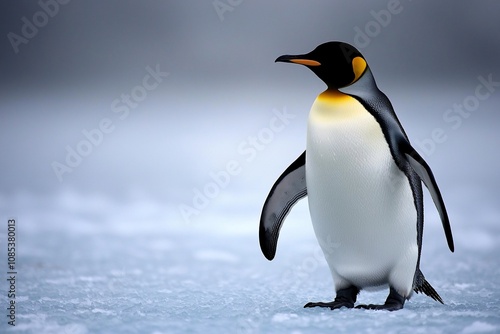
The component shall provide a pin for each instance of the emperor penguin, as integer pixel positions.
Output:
(363, 180)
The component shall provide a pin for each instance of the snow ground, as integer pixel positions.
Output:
(178, 278)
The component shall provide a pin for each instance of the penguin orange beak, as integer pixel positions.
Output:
(300, 59)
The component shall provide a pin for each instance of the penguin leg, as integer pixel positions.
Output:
(393, 302)
(344, 298)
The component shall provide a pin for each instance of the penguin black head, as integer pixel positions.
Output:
(337, 64)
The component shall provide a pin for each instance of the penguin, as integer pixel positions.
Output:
(363, 180)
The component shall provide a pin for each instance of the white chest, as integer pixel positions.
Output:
(361, 204)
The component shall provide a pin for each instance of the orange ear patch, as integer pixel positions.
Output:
(358, 67)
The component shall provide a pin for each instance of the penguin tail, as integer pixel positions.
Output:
(422, 286)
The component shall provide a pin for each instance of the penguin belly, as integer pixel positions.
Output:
(361, 204)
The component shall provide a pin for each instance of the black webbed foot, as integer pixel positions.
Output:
(393, 302)
(345, 298)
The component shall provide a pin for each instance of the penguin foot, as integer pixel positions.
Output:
(332, 305)
(393, 302)
(345, 298)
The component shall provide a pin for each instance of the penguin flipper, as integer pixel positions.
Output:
(425, 173)
(286, 191)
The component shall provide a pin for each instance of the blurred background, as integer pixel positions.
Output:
(67, 66)
(121, 117)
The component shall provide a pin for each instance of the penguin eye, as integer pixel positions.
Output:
(358, 67)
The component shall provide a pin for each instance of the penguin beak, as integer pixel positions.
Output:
(298, 59)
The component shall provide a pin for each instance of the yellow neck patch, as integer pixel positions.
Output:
(333, 96)
(358, 67)
(335, 106)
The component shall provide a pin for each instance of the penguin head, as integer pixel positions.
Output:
(337, 64)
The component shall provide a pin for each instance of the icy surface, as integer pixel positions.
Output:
(202, 277)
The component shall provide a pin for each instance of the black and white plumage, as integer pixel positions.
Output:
(363, 180)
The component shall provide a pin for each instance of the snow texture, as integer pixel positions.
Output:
(85, 275)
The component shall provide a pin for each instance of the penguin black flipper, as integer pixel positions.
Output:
(425, 173)
(286, 191)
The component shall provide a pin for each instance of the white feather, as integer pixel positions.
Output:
(361, 204)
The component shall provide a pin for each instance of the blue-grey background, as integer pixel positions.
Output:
(138, 237)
